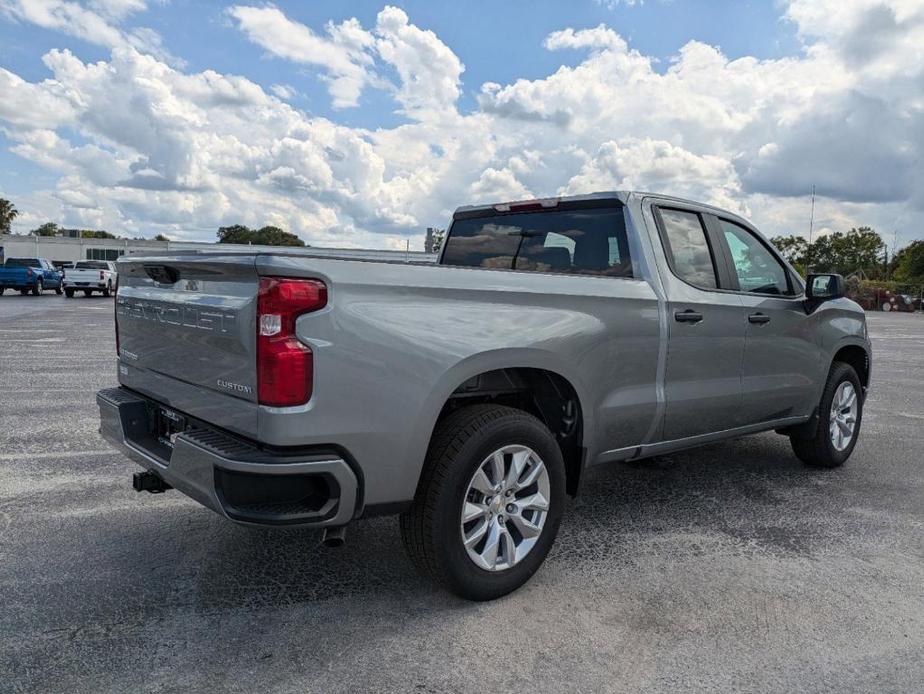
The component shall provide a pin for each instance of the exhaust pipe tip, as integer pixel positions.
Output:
(334, 537)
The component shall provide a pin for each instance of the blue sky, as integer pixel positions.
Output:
(497, 41)
(589, 108)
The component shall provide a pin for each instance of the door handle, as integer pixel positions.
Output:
(688, 316)
(758, 318)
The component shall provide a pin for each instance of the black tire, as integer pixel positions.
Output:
(88, 292)
(69, 293)
(58, 290)
(2, 289)
(107, 290)
(23, 291)
(819, 450)
(37, 289)
(430, 529)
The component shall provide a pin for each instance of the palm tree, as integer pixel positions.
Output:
(7, 214)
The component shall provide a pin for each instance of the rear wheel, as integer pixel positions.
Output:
(839, 415)
(107, 290)
(58, 290)
(489, 502)
(37, 289)
(69, 293)
(2, 289)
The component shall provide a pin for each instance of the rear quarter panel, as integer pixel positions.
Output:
(396, 340)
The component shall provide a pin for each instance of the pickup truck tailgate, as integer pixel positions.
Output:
(186, 328)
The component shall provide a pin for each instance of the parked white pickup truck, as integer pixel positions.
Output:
(90, 276)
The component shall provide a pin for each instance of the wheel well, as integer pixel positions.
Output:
(544, 394)
(857, 358)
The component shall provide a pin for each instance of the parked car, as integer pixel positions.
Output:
(282, 389)
(29, 275)
(90, 276)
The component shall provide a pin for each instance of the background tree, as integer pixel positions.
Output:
(274, 236)
(99, 234)
(792, 247)
(46, 229)
(847, 252)
(438, 237)
(7, 214)
(909, 263)
(265, 236)
(161, 237)
(237, 233)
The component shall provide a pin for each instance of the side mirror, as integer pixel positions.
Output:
(825, 287)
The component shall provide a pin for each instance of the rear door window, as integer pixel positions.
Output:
(687, 247)
(581, 241)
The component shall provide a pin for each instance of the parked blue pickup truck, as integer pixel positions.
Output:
(29, 275)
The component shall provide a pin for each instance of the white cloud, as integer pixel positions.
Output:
(161, 149)
(428, 69)
(342, 53)
(494, 184)
(95, 21)
(656, 165)
(613, 4)
(283, 91)
(599, 37)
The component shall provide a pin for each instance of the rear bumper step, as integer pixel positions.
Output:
(229, 476)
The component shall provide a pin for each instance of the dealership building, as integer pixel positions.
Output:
(61, 250)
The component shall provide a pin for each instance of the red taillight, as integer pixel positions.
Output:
(285, 366)
(101, 276)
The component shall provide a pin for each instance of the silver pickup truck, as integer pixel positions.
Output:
(469, 396)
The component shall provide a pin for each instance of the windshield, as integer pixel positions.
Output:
(585, 241)
(22, 262)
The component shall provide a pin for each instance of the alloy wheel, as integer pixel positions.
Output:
(505, 508)
(843, 419)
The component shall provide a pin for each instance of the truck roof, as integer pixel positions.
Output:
(620, 195)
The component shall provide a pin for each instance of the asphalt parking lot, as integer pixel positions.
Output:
(731, 567)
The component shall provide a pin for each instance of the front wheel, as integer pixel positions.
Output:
(839, 415)
(489, 502)
(37, 288)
